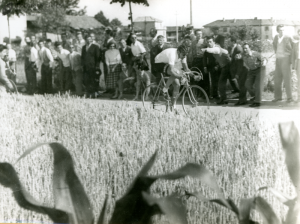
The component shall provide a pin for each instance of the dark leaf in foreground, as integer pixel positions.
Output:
(290, 141)
(132, 207)
(170, 206)
(10, 179)
(69, 194)
(102, 213)
(291, 144)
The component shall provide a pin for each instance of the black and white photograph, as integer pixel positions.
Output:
(150, 111)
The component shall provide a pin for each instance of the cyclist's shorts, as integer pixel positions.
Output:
(161, 68)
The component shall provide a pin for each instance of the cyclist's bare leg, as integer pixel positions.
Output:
(171, 80)
(138, 84)
(176, 87)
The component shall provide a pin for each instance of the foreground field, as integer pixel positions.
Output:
(110, 143)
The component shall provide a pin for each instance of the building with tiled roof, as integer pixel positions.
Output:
(265, 27)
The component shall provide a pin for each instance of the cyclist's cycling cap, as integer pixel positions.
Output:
(183, 49)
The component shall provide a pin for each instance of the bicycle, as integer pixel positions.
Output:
(192, 91)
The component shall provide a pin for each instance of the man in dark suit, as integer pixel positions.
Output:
(157, 49)
(90, 58)
(237, 69)
(283, 47)
(210, 66)
(296, 61)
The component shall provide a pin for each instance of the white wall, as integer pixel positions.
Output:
(18, 26)
(289, 30)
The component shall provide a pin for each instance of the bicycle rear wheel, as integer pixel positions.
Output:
(194, 96)
(153, 99)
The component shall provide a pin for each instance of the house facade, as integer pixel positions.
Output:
(266, 28)
(146, 23)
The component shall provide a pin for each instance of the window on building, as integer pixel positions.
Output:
(224, 29)
(266, 28)
(267, 37)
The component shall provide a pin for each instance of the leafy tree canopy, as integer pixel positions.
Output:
(102, 18)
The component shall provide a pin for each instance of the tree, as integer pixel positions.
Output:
(52, 18)
(17, 7)
(70, 6)
(101, 18)
(115, 22)
(144, 2)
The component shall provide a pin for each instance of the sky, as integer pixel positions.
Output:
(203, 12)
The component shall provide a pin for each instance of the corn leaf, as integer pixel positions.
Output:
(10, 179)
(283, 198)
(69, 194)
(290, 141)
(195, 171)
(245, 209)
(170, 206)
(266, 211)
(132, 207)
(102, 213)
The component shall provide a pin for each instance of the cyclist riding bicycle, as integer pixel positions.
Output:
(5, 84)
(170, 62)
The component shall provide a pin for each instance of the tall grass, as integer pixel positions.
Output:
(109, 143)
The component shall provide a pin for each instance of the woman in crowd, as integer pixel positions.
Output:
(113, 62)
(4, 82)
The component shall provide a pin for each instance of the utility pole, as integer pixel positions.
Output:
(191, 13)
(176, 28)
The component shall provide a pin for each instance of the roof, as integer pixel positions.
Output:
(82, 22)
(251, 22)
(147, 19)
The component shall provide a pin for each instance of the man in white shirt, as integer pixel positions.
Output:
(12, 57)
(170, 62)
(46, 59)
(80, 42)
(65, 77)
(283, 47)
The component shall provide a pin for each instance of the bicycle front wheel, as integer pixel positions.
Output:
(194, 96)
(153, 99)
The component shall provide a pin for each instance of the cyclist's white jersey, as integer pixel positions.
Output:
(170, 56)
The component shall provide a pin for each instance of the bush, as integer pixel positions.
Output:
(15, 41)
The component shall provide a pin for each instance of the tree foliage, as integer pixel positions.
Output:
(18, 7)
(115, 22)
(144, 2)
(102, 18)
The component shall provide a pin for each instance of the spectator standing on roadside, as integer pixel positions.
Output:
(90, 59)
(4, 82)
(296, 61)
(27, 64)
(46, 59)
(65, 77)
(237, 69)
(283, 47)
(196, 55)
(220, 39)
(223, 59)
(75, 62)
(12, 58)
(113, 61)
(159, 47)
(255, 64)
(64, 42)
(80, 42)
